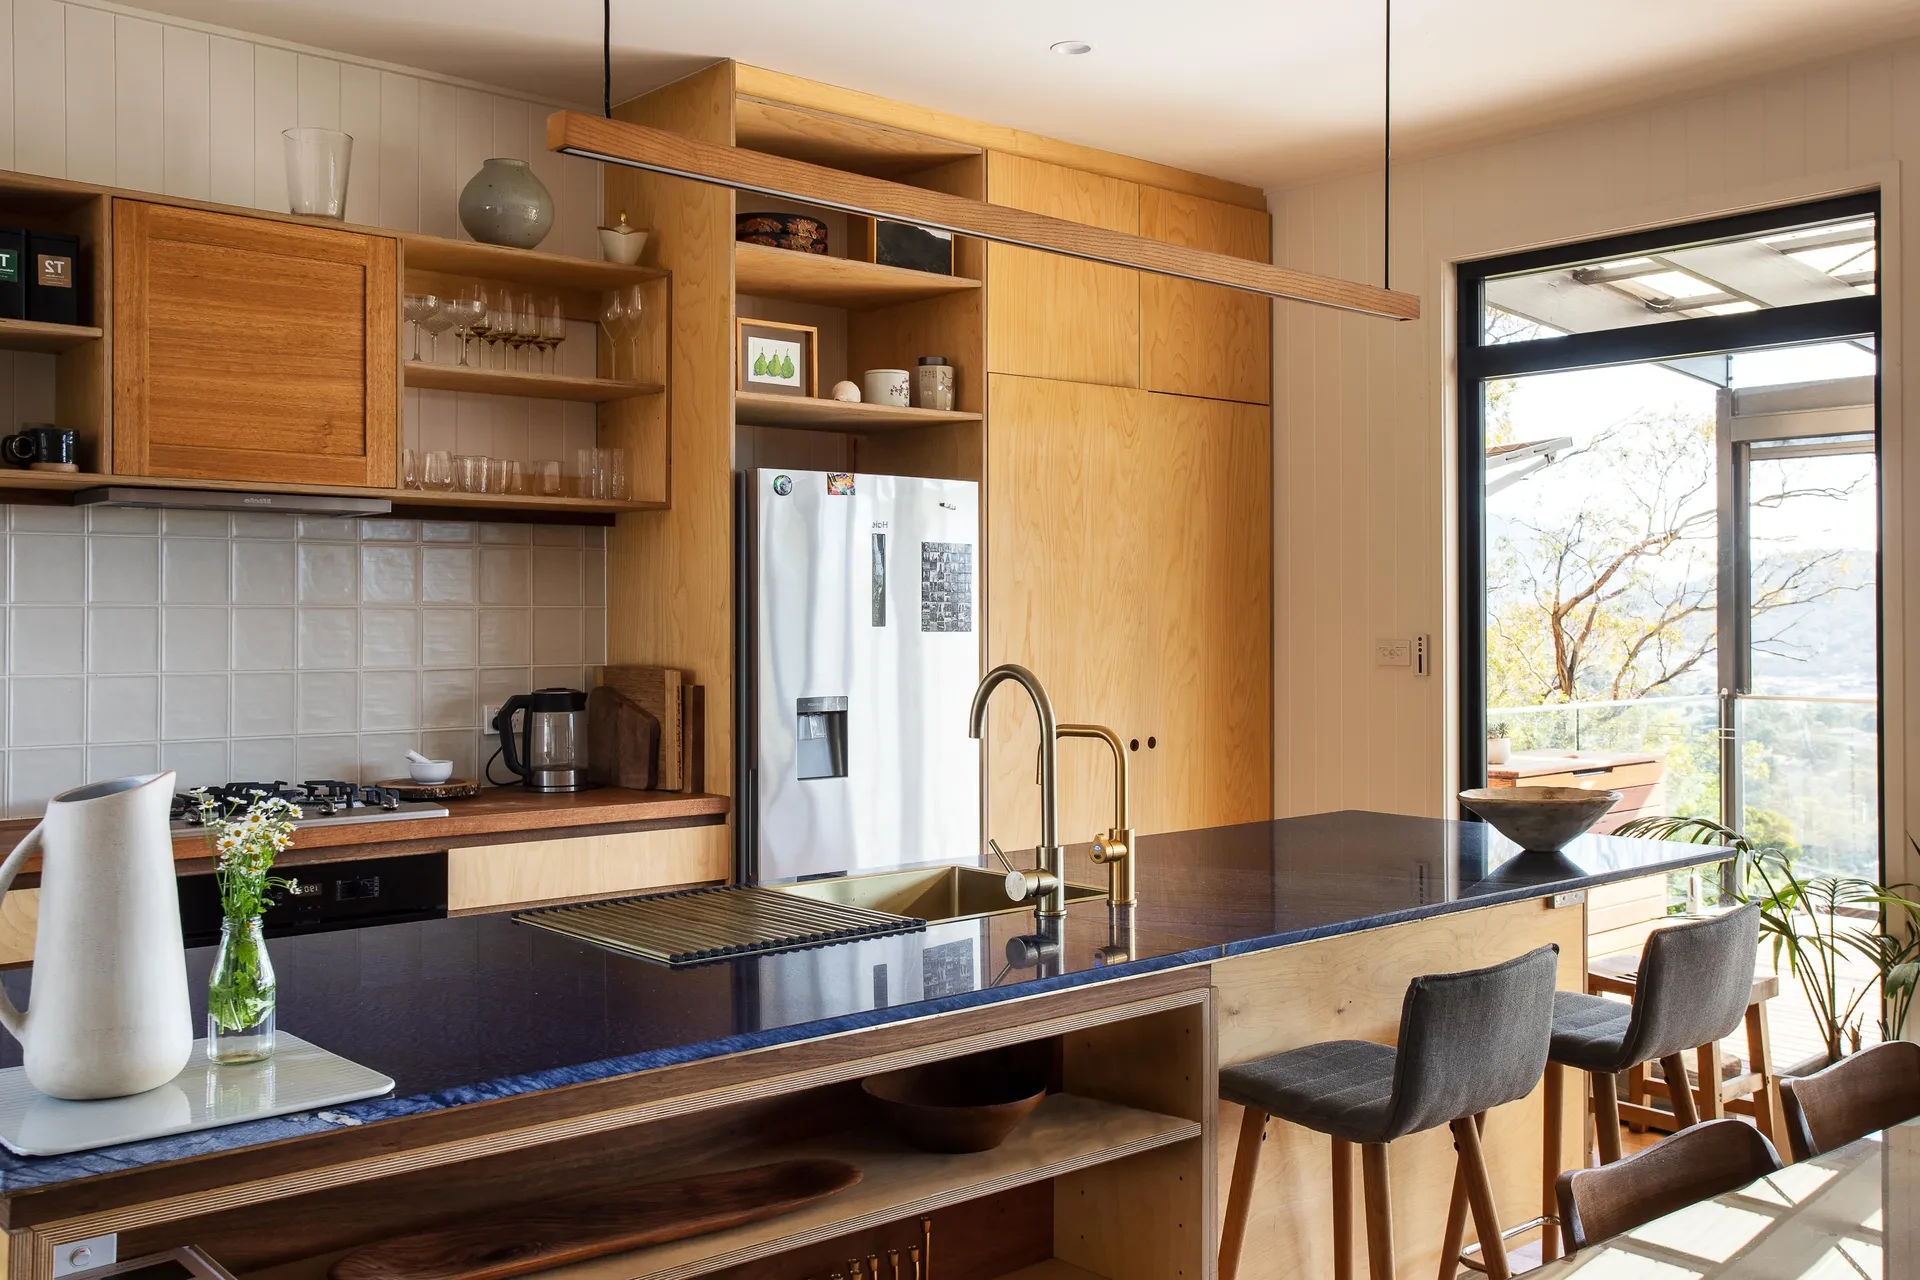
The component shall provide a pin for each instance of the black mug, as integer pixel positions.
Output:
(39, 443)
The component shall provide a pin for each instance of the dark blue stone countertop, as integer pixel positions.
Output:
(480, 1007)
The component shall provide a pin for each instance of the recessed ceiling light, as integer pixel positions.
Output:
(1071, 48)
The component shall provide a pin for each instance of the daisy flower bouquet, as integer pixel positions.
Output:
(245, 839)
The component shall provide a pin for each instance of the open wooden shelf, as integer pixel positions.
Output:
(508, 382)
(808, 413)
(1067, 1133)
(518, 266)
(475, 506)
(839, 142)
(1052, 1269)
(834, 282)
(33, 335)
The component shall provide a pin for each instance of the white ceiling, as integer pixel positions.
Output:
(1262, 91)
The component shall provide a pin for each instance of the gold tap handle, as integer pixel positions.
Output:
(1000, 853)
(893, 1256)
(873, 1265)
(926, 1236)
(914, 1253)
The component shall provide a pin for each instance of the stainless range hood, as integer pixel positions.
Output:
(297, 504)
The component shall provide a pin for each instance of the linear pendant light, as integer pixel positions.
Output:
(676, 156)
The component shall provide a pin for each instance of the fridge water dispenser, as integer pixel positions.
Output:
(820, 737)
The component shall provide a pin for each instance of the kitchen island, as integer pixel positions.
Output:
(530, 1065)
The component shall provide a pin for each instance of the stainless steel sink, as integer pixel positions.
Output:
(933, 894)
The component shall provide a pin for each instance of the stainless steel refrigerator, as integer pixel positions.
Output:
(859, 652)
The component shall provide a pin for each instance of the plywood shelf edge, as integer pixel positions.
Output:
(765, 272)
(35, 335)
(539, 386)
(809, 413)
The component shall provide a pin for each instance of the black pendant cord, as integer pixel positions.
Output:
(1386, 161)
(606, 58)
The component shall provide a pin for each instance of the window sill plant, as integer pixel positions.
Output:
(245, 839)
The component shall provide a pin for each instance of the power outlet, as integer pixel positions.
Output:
(1393, 653)
(487, 713)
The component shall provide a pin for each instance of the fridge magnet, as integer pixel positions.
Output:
(840, 484)
(775, 358)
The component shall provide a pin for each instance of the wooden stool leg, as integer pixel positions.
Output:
(1679, 1092)
(1379, 1192)
(1246, 1168)
(1713, 1103)
(1486, 1217)
(1766, 1099)
(1342, 1210)
(1606, 1115)
(1456, 1236)
(1550, 1157)
(1637, 1093)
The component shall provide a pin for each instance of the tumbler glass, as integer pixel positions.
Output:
(547, 480)
(500, 474)
(436, 470)
(317, 164)
(470, 472)
(615, 468)
(409, 468)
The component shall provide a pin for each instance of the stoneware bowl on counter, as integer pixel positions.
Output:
(1540, 819)
(962, 1104)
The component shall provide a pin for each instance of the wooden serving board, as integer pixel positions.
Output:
(658, 691)
(451, 789)
(513, 1242)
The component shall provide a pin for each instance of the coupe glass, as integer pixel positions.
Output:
(437, 322)
(466, 311)
(418, 307)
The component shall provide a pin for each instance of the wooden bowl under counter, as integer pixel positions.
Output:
(964, 1104)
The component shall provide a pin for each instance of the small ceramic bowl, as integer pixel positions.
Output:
(432, 773)
(1540, 819)
(622, 244)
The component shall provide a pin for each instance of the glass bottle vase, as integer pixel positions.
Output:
(240, 995)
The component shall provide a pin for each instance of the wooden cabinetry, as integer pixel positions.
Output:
(252, 349)
(1130, 565)
(1201, 339)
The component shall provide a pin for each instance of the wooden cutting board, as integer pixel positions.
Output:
(658, 691)
(513, 1242)
(623, 741)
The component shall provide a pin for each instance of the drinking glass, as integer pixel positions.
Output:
(410, 468)
(482, 324)
(436, 471)
(586, 465)
(553, 331)
(501, 473)
(317, 165)
(615, 467)
(466, 310)
(547, 480)
(418, 307)
(636, 307)
(437, 322)
(526, 322)
(470, 472)
(613, 318)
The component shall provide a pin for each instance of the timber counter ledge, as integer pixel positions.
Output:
(530, 1065)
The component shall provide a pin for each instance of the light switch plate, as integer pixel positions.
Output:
(77, 1257)
(1392, 653)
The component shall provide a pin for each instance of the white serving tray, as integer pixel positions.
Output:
(298, 1077)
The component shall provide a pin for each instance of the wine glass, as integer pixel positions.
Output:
(437, 322)
(499, 322)
(481, 327)
(526, 318)
(418, 306)
(613, 318)
(636, 307)
(553, 331)
(466, 310)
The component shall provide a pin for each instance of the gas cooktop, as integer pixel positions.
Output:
(323, 802)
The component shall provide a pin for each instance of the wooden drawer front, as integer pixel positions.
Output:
(247, 349)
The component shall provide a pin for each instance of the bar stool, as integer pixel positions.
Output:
(1691, 989)
(1469, 1042)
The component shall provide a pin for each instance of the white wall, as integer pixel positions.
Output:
(1363, 409)
(152, 643)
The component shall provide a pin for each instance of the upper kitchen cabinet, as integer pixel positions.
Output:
(251, 349)
(1051, 316)
(1201, 339)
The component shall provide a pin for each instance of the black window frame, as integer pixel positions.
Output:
(1477, 361)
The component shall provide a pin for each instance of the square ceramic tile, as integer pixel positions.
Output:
(506, 638)
(384, 755)
(596, 537)
(556, 575)
(593, 576)
(121, 640)
(557, 637)
(264, 705)
(446, 531)
(389, 530)
(195, 570)
(264, 524)
(389, 700)
(193, 638)
(50, 568)
(125, 570)
(104, 764)
(448, 638)
(195, 524)
(389, 637)
(46, 641)
(507, 534)
(329, 702)
(447, 700)
(594, 621)
(35, 777)
(503, 575)
(328, 529)
(329, 574)
(556, 535)
(447, 575)
(204, 764)
(263, 639)
(560, 678)
(387, 575)
(327, 757)
(122, 520)
(462, 746)
(329, 638)
(497, 684)
(193, 706)
(48, 519)
(45, 711)
(264, 572)
(123, 709)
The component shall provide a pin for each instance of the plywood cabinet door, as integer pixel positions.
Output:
(1129, 565)
(252, 350)
(1201, 339)
(1051, 316)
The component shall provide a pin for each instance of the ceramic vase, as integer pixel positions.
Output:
(108, 1014)
(506, 204)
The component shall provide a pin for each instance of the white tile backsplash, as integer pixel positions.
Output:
(260, 647)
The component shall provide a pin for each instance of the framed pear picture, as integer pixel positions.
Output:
(776, 358)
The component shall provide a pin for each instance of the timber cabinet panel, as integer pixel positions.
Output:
(252, 349)
(1051, 316)
(1201, 339)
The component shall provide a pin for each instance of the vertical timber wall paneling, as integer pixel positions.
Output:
(1352, 988)
(1200, 339)
(670, 573)
(1050, 316)
(1363, 416)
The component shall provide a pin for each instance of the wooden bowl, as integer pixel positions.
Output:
(962, 1104)
(1540, 819)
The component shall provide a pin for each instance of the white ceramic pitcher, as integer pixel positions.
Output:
(109, 1013)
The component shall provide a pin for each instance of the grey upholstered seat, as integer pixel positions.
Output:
(1469, 1042)
(1694, 984)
